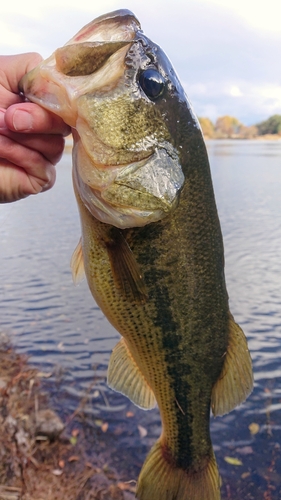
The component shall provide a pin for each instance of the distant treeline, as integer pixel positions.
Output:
(228, 127)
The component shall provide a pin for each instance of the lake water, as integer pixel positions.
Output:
(62, 330)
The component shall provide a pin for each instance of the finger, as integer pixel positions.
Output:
(8, 98)
(30, 118)
(50, 146)
(17, 184)
(34, 164)
(21, 64)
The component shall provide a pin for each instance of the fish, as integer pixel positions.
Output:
(151, 244)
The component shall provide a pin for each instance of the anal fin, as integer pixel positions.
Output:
(125, 376)
(77, 264)
(236, 379)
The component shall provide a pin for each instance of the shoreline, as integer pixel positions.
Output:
(265, 138)
(41, 456)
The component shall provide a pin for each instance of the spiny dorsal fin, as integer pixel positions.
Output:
(236, 380)
(77, 264)
(125, 376)
(125, 269)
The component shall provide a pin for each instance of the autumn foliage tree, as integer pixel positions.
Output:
(208, 128)
(227, 126)
(248, 132)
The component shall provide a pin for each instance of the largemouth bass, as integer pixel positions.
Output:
(151, 243)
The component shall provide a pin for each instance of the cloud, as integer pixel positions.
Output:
(234, 91)
(227, 61)
(226, 65)
(35, 32)
(249, 102)
(264, 16)
(9, 37)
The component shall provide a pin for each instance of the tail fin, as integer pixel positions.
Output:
(160, 480)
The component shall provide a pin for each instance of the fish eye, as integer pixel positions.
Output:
(152, 83)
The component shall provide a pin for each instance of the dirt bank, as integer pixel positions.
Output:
(41, 457)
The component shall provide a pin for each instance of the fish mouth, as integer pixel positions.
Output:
(56, 83)
(123, 178)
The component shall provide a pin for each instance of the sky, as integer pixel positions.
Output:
(227, 53)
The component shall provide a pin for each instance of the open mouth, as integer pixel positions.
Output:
(125, 169)
(57, 82)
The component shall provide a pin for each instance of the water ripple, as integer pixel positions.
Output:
(62, 329)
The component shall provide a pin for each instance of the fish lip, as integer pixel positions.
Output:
(123, 19)
(119, 13)
(119, 26)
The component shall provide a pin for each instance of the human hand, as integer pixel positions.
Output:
(31, 138)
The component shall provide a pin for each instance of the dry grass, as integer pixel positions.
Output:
(33, 467)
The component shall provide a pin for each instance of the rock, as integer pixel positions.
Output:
(3, 384)
(22, 439)
(10, 424)
(48, 424)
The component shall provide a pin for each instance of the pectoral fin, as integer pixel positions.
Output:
(236, 380)
(125, 269)
(77, 264)
(125, 376)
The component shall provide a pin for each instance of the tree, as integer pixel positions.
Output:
(248, 132)
(207, 126)
(270, 126)
(227, 126)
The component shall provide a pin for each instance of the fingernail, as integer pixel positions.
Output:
(22, 121)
